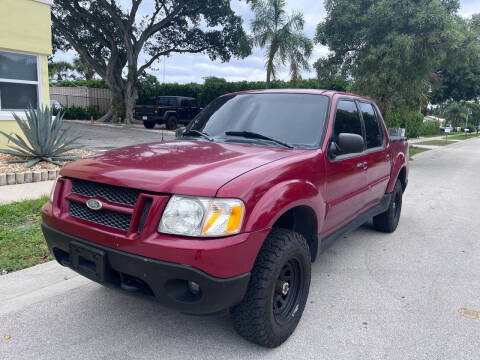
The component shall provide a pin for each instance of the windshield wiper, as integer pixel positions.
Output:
(254, 135)
(197, 132)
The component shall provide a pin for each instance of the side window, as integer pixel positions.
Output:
(347, 119)
(372, 128)
(184, 103)
(162, 101)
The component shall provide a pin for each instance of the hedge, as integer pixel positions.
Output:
(79, 113)
(213, 87)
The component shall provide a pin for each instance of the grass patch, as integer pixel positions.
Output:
(21, 240)
(435, 142)
(431, 135)
(462, 137)
(416, 150)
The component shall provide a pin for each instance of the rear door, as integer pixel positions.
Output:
(346, 179)
(378, 159)
(184, 110)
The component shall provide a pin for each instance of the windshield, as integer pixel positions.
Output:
(295, 119)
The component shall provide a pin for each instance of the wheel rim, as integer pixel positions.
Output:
(288, 291)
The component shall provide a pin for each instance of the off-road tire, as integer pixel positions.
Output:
(255, 318)
(171, 123)
(388, 221)
(149, 124)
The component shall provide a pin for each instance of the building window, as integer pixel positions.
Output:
(19, 81)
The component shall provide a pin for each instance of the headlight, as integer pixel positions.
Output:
(197, 216)
(52, 192)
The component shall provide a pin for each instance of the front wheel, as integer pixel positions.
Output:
(171, 123)
(388, 221)
(277, 292)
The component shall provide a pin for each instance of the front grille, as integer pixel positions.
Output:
(108, 218)
(115, 194)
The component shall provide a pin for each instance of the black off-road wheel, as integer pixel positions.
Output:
(388, 221)
(149, 124)
(171, 123)
(277, 292)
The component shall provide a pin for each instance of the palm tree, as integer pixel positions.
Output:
(283, 37)
(59, 69)
(83, 68)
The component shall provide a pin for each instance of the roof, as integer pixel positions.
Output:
(329, 93)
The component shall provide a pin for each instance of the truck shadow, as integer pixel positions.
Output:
(116, 324)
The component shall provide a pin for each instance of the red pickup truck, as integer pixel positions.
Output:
(232, 213)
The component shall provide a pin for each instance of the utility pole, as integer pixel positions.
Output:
(469, 112)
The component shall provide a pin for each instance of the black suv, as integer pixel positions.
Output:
(168, 110)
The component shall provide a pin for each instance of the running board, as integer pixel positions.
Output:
(355, 223)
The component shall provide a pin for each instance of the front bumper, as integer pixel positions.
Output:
(167, 281)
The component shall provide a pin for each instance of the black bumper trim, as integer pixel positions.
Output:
(167, 281)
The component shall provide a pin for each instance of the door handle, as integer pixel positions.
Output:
(363, 165)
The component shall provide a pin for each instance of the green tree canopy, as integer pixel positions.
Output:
(282, 36)
(459, 72)
(58, 70)
(81, 67)
(389, 48)
(110, 35)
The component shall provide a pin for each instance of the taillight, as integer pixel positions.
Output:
(133, 110)
(155, 110)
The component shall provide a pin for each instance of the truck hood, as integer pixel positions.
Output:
(181, 167)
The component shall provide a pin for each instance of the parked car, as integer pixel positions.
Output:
(168, 110)
(55, 104)
(232, 213)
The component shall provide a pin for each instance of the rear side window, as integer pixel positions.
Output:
(347, 119)
(373, 133)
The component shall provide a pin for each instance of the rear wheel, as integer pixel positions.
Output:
(388, 221)
(277, 292)
(171, 123)
(149, 124)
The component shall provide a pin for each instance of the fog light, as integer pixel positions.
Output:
(193, 287)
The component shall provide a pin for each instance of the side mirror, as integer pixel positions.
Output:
(349, 143)
(179, 132)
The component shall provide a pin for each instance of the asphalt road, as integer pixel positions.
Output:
(103, 137)
(372, 296)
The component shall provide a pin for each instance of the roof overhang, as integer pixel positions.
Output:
(48, 2)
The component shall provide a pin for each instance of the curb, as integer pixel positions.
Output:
(28, 177)
(121, 126)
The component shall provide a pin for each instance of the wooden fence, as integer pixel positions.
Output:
(82, 96)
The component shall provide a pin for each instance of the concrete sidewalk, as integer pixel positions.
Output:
(19, 192)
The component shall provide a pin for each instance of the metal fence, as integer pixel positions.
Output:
(99, 99)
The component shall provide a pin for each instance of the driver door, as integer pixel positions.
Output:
(347, 190)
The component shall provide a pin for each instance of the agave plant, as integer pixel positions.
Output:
(45, 140)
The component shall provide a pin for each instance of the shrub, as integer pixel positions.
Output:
(46, 140)
(79, 113)
(93, 83)
(430, 128)
(411, 121)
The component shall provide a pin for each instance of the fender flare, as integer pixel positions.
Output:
(167, 113)
(399, 163)
(277, 200)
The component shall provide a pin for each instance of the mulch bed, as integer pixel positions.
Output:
(5, 167)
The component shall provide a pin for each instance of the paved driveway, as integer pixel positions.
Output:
(372, 296)
(103, 137)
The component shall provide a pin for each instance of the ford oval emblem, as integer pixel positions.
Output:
(94, 204)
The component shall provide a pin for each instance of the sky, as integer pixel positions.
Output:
(186, 68)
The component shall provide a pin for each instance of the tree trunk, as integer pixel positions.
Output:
(129, 101)
(269, 72)
(108, 115)
(130, 94)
